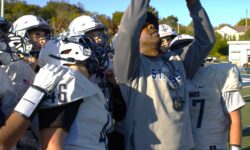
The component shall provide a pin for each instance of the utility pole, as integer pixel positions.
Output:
(2, 8)
(246, 17)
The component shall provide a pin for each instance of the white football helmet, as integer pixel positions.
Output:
(26, 23)
(58, 52)
(83, 24)
(181, 41)
(71, 49)
(90, 26)
(166, 31)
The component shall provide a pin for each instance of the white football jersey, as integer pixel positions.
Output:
(8, 97)
(22, 76)
(208, 107)
(93, 120)
(68, 91)
(89, 129)
(103, 84)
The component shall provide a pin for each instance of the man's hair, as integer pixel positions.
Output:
(152, 19)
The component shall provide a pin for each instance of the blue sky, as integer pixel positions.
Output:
(219, 11)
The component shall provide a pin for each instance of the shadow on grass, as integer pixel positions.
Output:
(247, 99)
(246, 131)
(247, 148)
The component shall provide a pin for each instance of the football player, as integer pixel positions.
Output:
(35, 32)
(20, 73)
(215, 103)
(167, 34)
(94, 28)
(105, 79)
(76, 116)
(13, 125)
(28, 34)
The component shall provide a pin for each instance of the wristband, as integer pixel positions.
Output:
(30, 101)
(235, 147)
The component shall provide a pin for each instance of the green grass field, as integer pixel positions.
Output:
(246, 119)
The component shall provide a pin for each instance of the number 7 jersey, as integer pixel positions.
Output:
(209, 110)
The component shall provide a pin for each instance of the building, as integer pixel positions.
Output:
(239, 52)
(232, 33)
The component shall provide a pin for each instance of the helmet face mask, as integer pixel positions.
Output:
(97, 53)
(98, 35)
(7, 54)
(90, 26)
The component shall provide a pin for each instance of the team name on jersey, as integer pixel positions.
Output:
(194, 94)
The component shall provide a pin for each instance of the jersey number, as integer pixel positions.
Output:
(62, 95)
(195, 102)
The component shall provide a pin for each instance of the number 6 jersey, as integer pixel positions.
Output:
(209, 107)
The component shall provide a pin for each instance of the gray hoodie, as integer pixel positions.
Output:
(155, 88)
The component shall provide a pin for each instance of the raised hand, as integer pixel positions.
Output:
(45, 81)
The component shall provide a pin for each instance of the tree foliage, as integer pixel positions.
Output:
(221, 47)
(242, 22)
(246, 36)
(59, 13)
(116, 17)
(170, 20)
(107, 21)
(16, 9)
(223, 24)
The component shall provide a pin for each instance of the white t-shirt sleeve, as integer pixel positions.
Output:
(233, 80)
(233, 100)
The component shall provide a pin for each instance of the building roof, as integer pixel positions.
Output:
(241, 28)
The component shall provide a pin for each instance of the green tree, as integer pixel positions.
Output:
(16, 9)
(246, 36)
(60, 14)
(223, 24)
(242, 22)
(116, 17)
(220, 48)
(107, 21)
(186, 30)
(171, 21)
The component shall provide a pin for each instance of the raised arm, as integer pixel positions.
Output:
(126, 58)
(194, 54)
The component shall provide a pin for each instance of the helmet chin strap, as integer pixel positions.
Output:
(69, 59)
